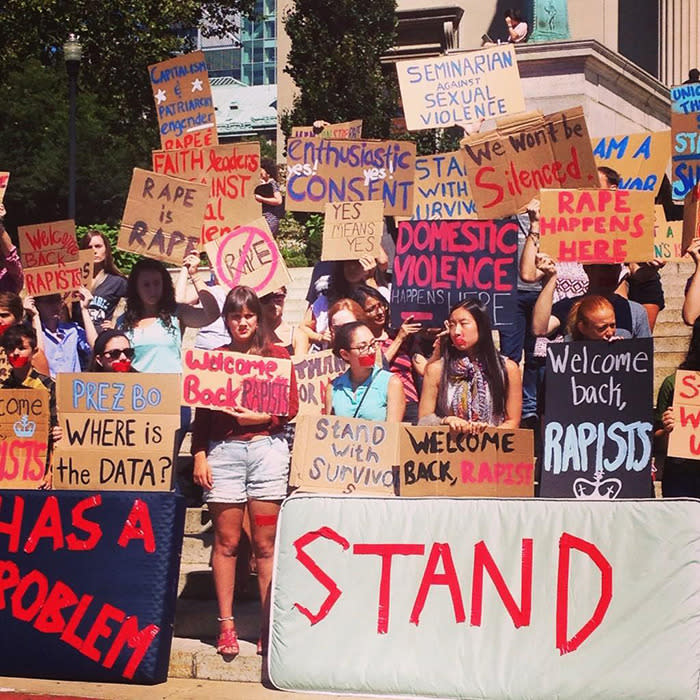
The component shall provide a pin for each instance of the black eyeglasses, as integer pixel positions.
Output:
(116, 354)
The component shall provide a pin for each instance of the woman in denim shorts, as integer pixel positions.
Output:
(242, 458)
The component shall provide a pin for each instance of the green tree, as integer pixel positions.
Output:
(336, 46)
(117, 127)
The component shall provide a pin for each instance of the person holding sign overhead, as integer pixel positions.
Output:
(365, 391)
(681, 476)
(154, 322)
(11, 274)
(242, 458)
(471, 386)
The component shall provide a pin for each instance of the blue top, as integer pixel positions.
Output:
(346, 400)
(157, 348)
(66, 349)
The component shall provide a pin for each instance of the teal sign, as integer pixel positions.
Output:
(551, 20)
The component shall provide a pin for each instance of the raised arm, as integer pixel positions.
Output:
(190, 315)
(543, 323)
(691, 303)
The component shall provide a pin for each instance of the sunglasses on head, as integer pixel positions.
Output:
(273, 298)
(115, 354)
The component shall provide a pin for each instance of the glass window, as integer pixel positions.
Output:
(270, 29)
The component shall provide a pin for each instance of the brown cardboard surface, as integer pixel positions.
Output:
(641, 159)
(442, 188)
(333, 454)
(231, 170)
(684, 440)
(668, 237)
(509, 166)
(225, 381)
(343, 130)
(163, 216)
(352, 230)
(497, 462)
(24, 434)
(45, 244)
(684, 128)
(597, 226)
(184, 105)
(461, 88)
(324, 170)
(53, 279)
(248, 255)
(313, 373)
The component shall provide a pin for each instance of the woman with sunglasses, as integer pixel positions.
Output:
(365, 391)
(112, 353)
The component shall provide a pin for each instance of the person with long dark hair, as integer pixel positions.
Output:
(240, 459)
(471, 386)
(108, 283)
(681, 477)
(154, 322)
(365, 390)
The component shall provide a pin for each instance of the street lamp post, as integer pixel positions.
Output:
(72, 53)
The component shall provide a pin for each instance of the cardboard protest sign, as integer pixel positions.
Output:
(685, 136)
(321, 171)
(248, 255)
(507, 167)
(684, 439)
(691, 216)
(496, 462)
(53, 243)
(4, 179)
(439, 263)
(597, 225)
(352, 230)
(598, 434)
(313, 372)
(231, 171)
(668, 237)
(223, 381)
(499, 587)
(163, 217)
(333, 454)
(24, 437)
(53, 279)
(442, 188)
(118, 431)
(640, 159)
(184, 105)
(343, 130)
(460, 88)
(89, 581)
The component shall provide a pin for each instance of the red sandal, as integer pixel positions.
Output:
(227, 643)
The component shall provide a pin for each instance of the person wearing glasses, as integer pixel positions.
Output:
(470, 386)
(112, 352)
(365, 390)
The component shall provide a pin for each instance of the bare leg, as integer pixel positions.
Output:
(227, 519)
(263, 520)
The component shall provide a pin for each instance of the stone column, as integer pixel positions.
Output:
(679, 34)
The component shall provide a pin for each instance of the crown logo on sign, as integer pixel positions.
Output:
(24, 428)
(598, 489)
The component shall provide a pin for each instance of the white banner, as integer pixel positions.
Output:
(448, 597)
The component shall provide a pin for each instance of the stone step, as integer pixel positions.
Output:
(196, 549)
(196, 658)
(670, 343)
(196, 619)
(195, 582)
(196, 521)
(666, 327)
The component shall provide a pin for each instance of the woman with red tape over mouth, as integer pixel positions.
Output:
(470, 386)
(365, 390)
(112, 353)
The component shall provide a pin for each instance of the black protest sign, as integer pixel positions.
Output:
(88, 584)
(439, 263)
(598, 420)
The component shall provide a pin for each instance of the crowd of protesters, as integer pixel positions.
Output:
(454, 376)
